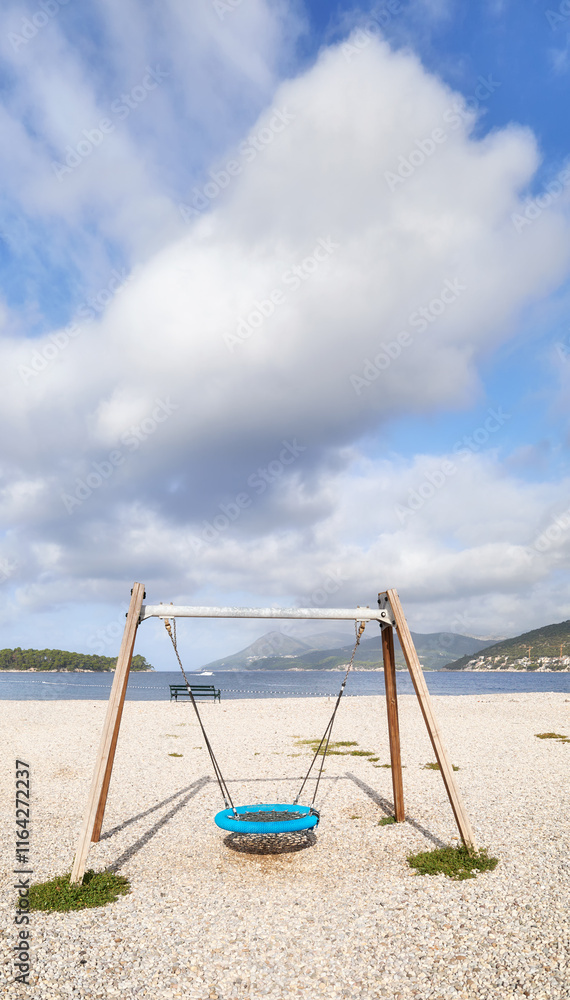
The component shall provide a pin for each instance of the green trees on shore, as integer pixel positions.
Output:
(59, 659)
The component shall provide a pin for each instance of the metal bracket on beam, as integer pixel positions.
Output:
(386, 610)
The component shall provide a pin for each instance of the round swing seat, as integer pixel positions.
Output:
(267, 819)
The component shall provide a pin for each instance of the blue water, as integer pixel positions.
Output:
(270, 683)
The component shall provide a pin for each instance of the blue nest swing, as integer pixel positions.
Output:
(279, 817)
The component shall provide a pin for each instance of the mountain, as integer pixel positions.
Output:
(330, 640)
(276, 651)
(271, 644)
(546, 648)
(59, 659)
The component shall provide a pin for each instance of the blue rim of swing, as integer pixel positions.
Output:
(304, 818)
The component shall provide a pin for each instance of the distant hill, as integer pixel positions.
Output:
(59, 659)
(276, 651)
(270, 644)
(546, 648)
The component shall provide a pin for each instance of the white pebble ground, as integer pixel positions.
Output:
(339, 914)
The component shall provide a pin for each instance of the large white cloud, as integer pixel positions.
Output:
(174, 85)
(363, 173)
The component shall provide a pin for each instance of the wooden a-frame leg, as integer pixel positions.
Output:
(393, 724)
(423, 695)
(93, 817)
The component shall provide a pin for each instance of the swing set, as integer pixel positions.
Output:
(277, 817)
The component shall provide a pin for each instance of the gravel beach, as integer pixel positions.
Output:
(334, 914)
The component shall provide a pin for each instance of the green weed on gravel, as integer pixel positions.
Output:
(338, 748)
(456, 862)
(435, 767)
(98, 889)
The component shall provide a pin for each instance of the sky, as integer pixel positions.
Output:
(284, 313)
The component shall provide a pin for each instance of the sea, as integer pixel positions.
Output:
(154, 686)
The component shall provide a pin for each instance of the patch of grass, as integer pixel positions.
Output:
(98, 889)
(355, 817)
(383, 765)
(386, 821)
(339, 748)
(333, 743)
(175, 755)
(551, 736)
(456, 862)
(435, 767)
(336, 747)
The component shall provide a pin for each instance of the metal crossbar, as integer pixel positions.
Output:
(383, 615)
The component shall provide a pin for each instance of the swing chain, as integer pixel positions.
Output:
(171, 629)
(358, 629)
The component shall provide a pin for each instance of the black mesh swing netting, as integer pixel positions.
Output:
(268, 817)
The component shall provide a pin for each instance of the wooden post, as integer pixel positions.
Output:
(393, 724)
(93, 817)
(424, 699)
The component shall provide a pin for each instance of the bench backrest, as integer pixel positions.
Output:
(193, 687)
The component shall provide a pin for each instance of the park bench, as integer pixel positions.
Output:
(198, 690)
